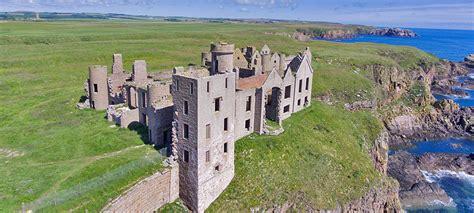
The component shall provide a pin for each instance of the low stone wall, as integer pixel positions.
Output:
(149, 194)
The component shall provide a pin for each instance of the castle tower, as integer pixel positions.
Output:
(266, 59)
(98, 89)
(117, 66)
(222, 58)
(205, 117)
(160, 114)
(139, 72)
(283, 63)
(206, 59)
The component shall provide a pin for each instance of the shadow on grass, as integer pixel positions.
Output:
(142, 130)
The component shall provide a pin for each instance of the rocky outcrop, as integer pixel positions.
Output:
(353, 32)
(469, 61)
(446, 119)
(447, 161)
(395, 32)
(415, 191)
(382, 198)
(337, 34)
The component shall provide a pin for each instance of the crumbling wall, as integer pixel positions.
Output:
(149, 194)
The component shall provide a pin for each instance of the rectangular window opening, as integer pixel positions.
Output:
(287, 91)
(186, 156)
(208, 87)
(225, 147)
(247, 125)
(96, 89)
(226, 83)
(143, 100)
(217, 104)
(191, 88)
(286, 109)
(186, 131)
(226, 127)
(186, 108)
(299, 102)
(249, 103)
(208, 156)
(208, 131)
(177, 84)
(300, 87)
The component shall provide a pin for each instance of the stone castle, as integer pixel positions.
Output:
(198, 112)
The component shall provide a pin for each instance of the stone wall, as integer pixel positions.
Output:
(149, 194)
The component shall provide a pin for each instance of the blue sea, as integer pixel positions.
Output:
(451, 45)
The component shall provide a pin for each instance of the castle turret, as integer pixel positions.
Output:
(98, 89)
(117, 66)
(139, 71)
(153, 94)
(266, 59)
(283, 64)
(206, 59)
(222, 58)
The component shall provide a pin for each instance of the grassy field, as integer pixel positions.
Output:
(56, 158)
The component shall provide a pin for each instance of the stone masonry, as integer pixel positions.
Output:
(199, 112)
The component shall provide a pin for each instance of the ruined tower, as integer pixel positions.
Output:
(205, 116)
(117, 66)
(98, 88)
(139, 72)
(266, 59)
(222, 58)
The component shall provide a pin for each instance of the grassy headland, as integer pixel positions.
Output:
(67, 159)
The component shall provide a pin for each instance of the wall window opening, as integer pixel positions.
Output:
(208, 131)
(300, 87)
(226, 124)
(186, 156)
(186, 108)
(247, 125)
(186, 131)
(287, 91)
(217, 104)
(249, 103)
(208, 156)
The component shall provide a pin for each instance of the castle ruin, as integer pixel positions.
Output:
(198, 112)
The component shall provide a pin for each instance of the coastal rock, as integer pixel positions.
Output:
(469, 60)
(404, 125)
(446, 161)
(446, 87)
(415, 191)
(396, 32)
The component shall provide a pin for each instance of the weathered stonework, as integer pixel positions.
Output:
(199, 112)
(149, 194)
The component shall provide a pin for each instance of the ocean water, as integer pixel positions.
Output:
(458, 185)
(451, 145)
(452, 45)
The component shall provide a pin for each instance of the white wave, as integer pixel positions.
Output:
(438, 174)
(451, 203)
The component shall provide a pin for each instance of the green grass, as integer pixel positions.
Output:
(66, 157)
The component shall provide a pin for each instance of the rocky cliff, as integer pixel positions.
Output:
(347, 33)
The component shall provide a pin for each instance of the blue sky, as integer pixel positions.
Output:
(457, 14)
